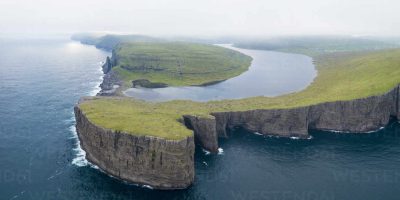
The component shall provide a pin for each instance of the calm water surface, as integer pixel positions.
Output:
(270, 74)
(40, 81)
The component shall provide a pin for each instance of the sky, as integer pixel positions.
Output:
(202, 17)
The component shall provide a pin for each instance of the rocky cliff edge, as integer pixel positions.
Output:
(353, 116)
(157, 162)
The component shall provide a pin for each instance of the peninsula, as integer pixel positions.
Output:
(163, 64)
(153, 143)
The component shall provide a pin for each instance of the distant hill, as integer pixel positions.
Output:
(109, 41)
(315, 45)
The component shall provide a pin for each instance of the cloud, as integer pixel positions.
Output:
(202, 17)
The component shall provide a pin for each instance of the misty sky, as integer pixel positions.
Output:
(202, 17)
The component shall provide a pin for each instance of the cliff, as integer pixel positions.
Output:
(111, 82)
(168, 164)
(159, 163)
(205, 131)
(111, 79)
(355, 116)
(359, 115)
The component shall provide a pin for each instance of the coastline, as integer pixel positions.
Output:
(80, 154)
(362, 115)
(143, 160)
(372, 113)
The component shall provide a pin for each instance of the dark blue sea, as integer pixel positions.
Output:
(42, 79)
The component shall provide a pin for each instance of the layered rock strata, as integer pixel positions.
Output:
(145, 160)
(354, 116)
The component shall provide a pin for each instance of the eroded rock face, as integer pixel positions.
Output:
(397, 104)
(166, 164)
(111, 82)
(107, 65)
(159, 163)
(205, 132)
(356, 116)
(281, 122)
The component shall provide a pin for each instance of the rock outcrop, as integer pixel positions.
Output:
(110, 62)
(157, 162)
(355, 116)
(111, 80)
(110, 84)
(107, 65)
(205, 131)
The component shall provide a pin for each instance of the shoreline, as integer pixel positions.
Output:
(80, 154)
(270, 74)
(360, 116)
(208, 131)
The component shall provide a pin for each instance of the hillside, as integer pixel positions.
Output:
(341, 76)
(318, 45)
(177, 63)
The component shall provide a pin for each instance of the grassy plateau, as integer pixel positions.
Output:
(317, 45)
(178, 63)
(341, 76)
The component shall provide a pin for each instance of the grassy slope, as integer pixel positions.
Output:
(317, 45)
(341, 76)
(177, 63)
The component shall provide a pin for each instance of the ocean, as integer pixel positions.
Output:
(40, 158)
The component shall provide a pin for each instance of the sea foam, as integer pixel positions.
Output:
(80, 155)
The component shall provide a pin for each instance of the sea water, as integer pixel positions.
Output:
(40, 158)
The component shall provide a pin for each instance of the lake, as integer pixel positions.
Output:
(270, 74)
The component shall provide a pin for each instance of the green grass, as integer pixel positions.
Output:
(341, 76)
(318, 45)
(178, 63)
(140, 119)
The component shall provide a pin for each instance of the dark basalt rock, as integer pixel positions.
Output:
(168, 164)
(159, 163)
(108, 86)
(355, 116)
(107, 65)
(205, 132)
(281, 122)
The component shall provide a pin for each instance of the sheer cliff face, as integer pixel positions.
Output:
(396, 110)
(360, 115)
(282, 122)
(166, 164)
(162, 164)
(205, 131)
(356, 116)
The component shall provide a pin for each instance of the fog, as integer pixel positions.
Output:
(202, 17)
